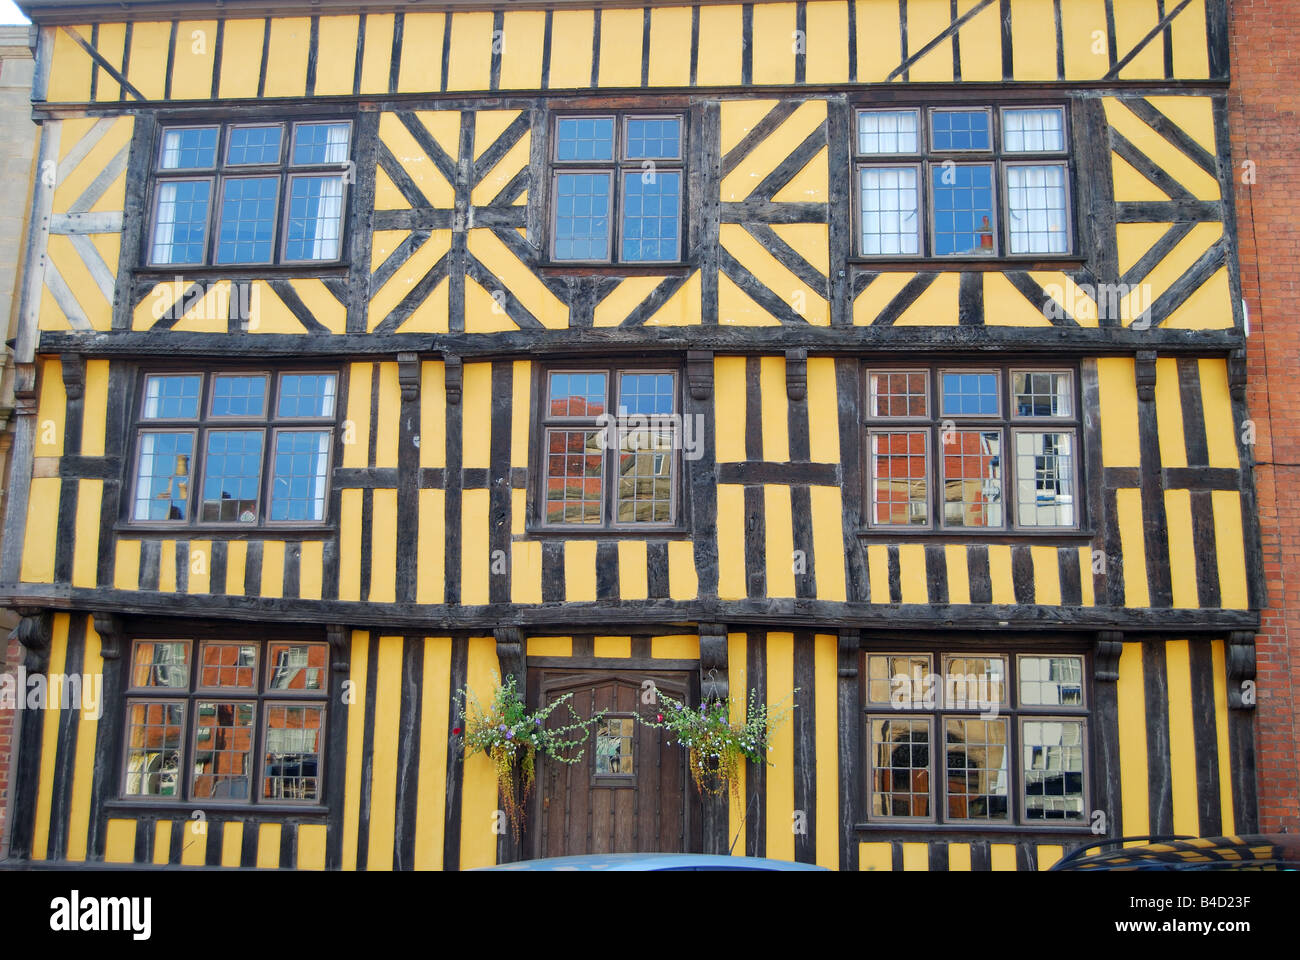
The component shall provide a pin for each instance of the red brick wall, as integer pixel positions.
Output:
(8, 664)
(1263, 104)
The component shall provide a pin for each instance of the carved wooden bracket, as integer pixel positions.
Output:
(109, 628)
(510, 653)
(796, 374)
(408, 375)
(455, 378)
(1241, 670)
(848, 652)
(715, 681)
(1145, 369)
(1237, 374)
(340, 644)
(699, 373)
(1110, 644)
(74, 375)
(35, 630)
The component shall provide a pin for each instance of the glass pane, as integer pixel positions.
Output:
(575, 462)
(1036, 216)
(645, 393)
(651, 215)
(247, 220)
(228, 665)
(903, 680)
(970, 394)
(307, 395)
(1053, 769)
(888, 131)
(900, 767)
(1045, 479)
(1051, 681)
(292, 752)
(977, 769)
(296, 666)
(1035, 394)
(899, 393)
(584, 138)
(301, 467)
(238, 396)
(960, 129)
(889, 197)
(249, 145)
(899, 478)
(321, 142)
(1030, 129)
(315, 218)
(173, 397)
(972, 478)
(232, 476)
(582, 216)
(161, 663)
(657, 138)
(614, 744)
(645, 475)
(162, 487)
(974, 683)
(577, 395)
(154, 734)
(194, 148)
(181, 225)
(223, 750)
(963, 210)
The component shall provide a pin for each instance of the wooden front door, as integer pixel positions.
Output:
(629, 792)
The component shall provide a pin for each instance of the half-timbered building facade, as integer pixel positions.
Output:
(828, 350)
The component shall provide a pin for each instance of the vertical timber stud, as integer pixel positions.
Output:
(849, 714)
(1241, 704)
(703, 480)
(107, 758)
(408, 474)
(1256, 591)
(1106, 796)
(454, 373)
(1154, 528)
(714, 685)
(342, 693)
(35, 632)
(510, 655)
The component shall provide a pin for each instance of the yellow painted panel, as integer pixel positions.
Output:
(780, 778)
(311, 569)
(627, 296)
(684, 647)
(823, 411)
(670, 58)
(765, 157)
(1131, 185)
(633, 573)
(612, 647)
(525, 570)
(1128, 508)
(1218, 659)
(550, 646)
(112, 44)
(958, 570)
(1048, 854)
(483, 312)
(737, 678)
(926, 19)
(194, 844)
(779, 541)
(981, 43)
(878, 572)
(911, 573)
(1002, 856)
(1131, 695)
(1165, 155)
(40, 535)
(324, 306)
(119, 841)
(336, 65)
(1133, 240)
(738, 117)
(937, 306)
(147, 68)
(1004, 305)
(478, 842)
(421, 69)
(1216, 402)
(272, 568)
(232, 840)
(1047, 576)
(311, 845)
(383, 784)
(162, 842)
(959, 853)
(89, 710)
(1208, 308)
(376, 61)
(825, 715)
(621, 33)
(434, 707)
(268, 845)
(1230, 549)
(50, 411)
(356, 429)
(85, 554)
(521, 385)
(880, 41)
(383, 547)
(236, 561)
(49, 740)
(738, 309)
(475, 569)
(1073, 300)
(416, 267)
(356, 710)
(731, 541)
(1083, 30)
(350, 545)
(476, 400)
(828, 542)
(682, 308)
(1117, 389)
(875, 856)
(200, 578)
(1191, 49)
(878, 294)
(916, 856)
(810, 240)
(1003, 588)
(1086, 596)
(775, 412)
(390, 400)
(1033, 39)
(433, 414)
(1134, 19)
(81, 283)
(521, 49)
(683, 582)
(799, 296)
(1182, 551)
(286, 64)
(722, 36)
(126, 565)
(488, 126)
(70, 75)
(519, 278)
(571, 45)
(579, 570)
(729, 390)
(515, 160)
(194, 58)
(1179, 260)
(1182, 739)
(827, 59)
(470, 65)
(774, 44)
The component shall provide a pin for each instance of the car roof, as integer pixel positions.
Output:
(1247, 851)
(654, 861)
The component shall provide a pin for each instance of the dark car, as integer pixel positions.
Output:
(1248, 852)
(654, 861)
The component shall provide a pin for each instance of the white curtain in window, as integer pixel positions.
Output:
(329, 215)
(165, 228)
(889, 199)
(318, 479)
